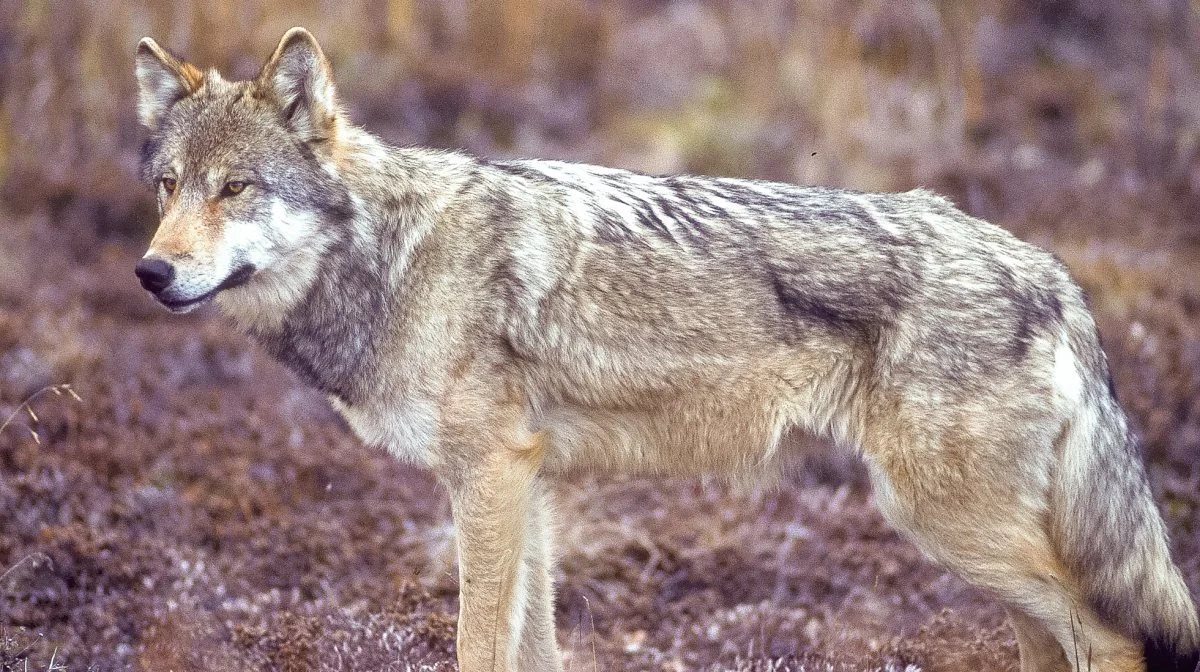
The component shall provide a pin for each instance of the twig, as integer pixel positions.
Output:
(1074, 638)
(35, 556)
(27, 407)
(588, 604)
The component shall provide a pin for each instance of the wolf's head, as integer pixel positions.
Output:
(247, 192)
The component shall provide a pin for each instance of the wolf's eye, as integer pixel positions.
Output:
(168, 184)
(233, 188)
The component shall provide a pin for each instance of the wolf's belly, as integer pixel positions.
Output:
(673, 439)
(407, 430)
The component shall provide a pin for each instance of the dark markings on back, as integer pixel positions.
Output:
(697, 231)
(804, 308)
(612, 229)
(645, 216)
(521, 170)
(1037, 309)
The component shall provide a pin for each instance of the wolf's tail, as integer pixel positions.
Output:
(1110, 533)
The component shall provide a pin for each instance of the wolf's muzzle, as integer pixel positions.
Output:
(154, 274)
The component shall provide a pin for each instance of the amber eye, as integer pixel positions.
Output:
(233, 187)
(169, 184)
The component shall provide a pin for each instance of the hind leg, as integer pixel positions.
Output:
(982, 511)
(1056, 631)
(1040, 651)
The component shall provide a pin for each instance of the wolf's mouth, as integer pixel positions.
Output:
(239, 276)
(186, 304)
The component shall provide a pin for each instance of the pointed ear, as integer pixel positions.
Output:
(298, 76)
(163, 80)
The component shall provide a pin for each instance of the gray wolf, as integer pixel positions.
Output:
(508, 322)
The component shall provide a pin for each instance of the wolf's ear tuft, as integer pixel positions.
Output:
(301, 81)
(162, 81)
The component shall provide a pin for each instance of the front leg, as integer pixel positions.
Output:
(539, 648)
(492, 496)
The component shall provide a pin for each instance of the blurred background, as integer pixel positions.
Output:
(1014, 108)
(199, 505)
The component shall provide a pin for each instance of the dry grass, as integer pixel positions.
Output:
(204, 511)
(26, 408)
(1007, 105)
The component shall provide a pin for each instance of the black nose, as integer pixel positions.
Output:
(155, 274)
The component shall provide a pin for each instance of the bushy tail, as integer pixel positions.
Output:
(1111, 534)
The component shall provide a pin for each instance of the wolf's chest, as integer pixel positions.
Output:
(408, 429)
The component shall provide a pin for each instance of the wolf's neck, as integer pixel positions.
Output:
(332, 336)
(360, 271)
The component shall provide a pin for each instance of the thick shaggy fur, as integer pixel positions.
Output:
(505, 322)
